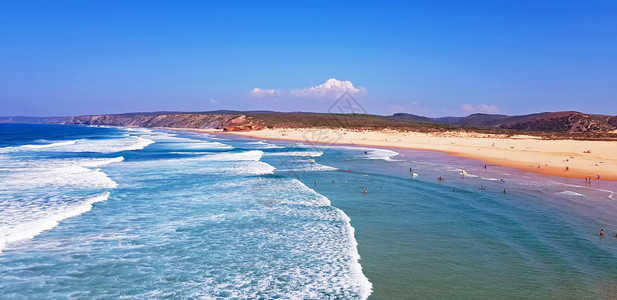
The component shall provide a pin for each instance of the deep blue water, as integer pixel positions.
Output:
(95, 212)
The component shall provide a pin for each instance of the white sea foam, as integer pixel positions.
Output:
(207, 145)
(287, 191)
(43, 146)
(490, 178)
(571, 193)
(88, 145)
(263, 145)
(305, 165)
(16, 232)
(341, 271)
(187, 142)
(383, 154)
(296, 153)
(252, 168)
(75, 173)
(253, 155)
(97, 162)
(111, 145)
(366, 287)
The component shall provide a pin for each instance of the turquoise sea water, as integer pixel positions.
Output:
(92, 212)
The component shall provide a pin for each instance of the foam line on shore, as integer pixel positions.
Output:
(25, 231)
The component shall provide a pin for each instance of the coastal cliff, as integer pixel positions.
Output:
(227, 122)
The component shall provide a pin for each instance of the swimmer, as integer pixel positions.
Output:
(504, 191)
(315, 182)
(332, 181)
(365, 192)
(601, 231)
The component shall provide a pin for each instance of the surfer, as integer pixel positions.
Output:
(440, 178)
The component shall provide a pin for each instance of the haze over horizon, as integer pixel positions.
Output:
(434, 59)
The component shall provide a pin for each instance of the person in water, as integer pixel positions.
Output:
(601, 231)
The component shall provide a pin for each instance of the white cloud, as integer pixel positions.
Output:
(213, 101)
(481, 108)
(332, 88)
(262, 93)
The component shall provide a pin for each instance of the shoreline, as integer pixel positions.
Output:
(560, 158)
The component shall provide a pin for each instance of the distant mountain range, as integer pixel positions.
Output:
(565, 122)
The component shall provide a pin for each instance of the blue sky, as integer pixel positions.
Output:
(435, 58)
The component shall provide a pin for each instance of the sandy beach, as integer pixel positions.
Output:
(565, 158)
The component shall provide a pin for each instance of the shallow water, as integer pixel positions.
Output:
(113, 212)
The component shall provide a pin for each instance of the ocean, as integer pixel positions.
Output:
(107, 212)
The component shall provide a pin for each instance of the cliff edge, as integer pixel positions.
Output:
(231, 122)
